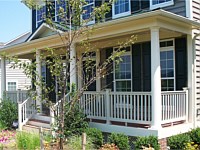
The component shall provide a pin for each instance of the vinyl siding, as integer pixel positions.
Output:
(17, 75)
(178, 8)
(196, 17)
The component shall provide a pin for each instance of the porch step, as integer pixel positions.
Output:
(39, 123)
(42, 117)
(34, 129)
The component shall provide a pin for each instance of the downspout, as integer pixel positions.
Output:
(194, 78)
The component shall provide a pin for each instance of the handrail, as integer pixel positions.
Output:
(56, 104)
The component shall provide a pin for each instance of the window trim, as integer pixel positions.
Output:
(160, 5)
(114, 79)
(16, 81)
(114, 16)
(56, 14)
(92, 21)
(168, 48)
(36, 21)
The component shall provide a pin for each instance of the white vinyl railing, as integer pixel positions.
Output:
(26, 109)
(134, 107)
(174, 106)
(129, 107)
(55, 109)
(16, 96)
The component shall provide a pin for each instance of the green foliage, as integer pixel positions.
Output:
(96, 136)
(178, 141)
(191, 146)
(75, 121)
(147, 141)
(75, 142)
(2, 126)
(120, 140)
(195, 135)
(27, 141)
(8, 113)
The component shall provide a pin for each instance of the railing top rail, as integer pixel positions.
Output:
(172, 92)
(26, 101)
(57, 103)
(131, 93)
(94, 92)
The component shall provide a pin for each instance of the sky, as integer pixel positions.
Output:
(15, 19)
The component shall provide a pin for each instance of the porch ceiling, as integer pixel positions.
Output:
(171, 25)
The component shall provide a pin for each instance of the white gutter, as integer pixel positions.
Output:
(194, 79)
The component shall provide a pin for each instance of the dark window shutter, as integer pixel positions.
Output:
(146, 66)
(181, 63)
(109, 77)
(50, 9)
(135, 5)
(109, 14)
(33, 20)
(144, 4)
(136, 67)
(50, 83)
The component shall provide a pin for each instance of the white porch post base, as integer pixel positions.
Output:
(155, 79)
(3, 76)
(38, 78)
(73, 65)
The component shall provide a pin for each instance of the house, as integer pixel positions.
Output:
(156, 90)
(15, 79)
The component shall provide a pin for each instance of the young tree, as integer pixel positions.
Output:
(77, 30)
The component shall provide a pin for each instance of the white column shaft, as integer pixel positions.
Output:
(3, 76)
(155, 79)
(73, 65)
(38, 79)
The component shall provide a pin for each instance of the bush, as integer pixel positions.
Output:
(75, 121)
(109, 147)
(96, 136)
(8, 113)
(178, 141)
(27, 141)
(75, 142)
(195, 135)
(191, 146)
(120, 140)
(147, 141)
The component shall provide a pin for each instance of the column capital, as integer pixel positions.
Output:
(154, 28)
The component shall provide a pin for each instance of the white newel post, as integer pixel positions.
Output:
(38, 77)
(155, 79)
(108, 106)
(73, 65)
(3, 76)
(19, 116)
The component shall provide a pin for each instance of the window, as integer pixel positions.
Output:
(60, 10)
(40, 15)
(121, 8)
(123, 72)
(167, 67)
(87, 11)
(12, 86)
(160, 3)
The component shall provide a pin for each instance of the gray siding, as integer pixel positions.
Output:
(178, 8)
(196, 17)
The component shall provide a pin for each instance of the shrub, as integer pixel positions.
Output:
(96, 136)
(195, 135)
(120, 140)
(191, 146)
(8, 113)
(147, 141)
(27, 141)
(75, 142)
(178, 141)
(109, 147)
(75, 121)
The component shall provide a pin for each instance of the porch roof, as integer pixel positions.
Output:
(122, 26)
